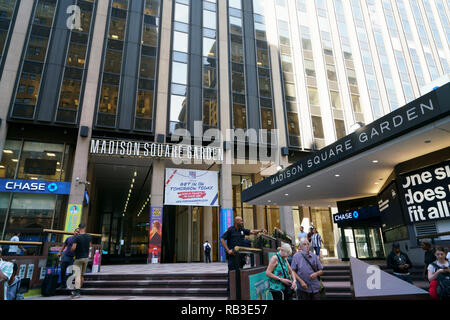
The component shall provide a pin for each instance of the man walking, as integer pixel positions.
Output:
(316, 242)
(207, 250)
(302, 235)
(14, 250)
(235, 236)
(67, 257)
(80, 248)
(399, 262)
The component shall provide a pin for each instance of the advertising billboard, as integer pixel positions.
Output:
(191, 188)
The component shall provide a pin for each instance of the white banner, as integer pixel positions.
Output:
(191, 188)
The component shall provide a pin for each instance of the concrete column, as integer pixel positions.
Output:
(207, 225)
(12, 64)
(277, 84)
(260, 218)
(164, 67)
(89, 105)
(287, 221)
(157, 199)
(225, 178)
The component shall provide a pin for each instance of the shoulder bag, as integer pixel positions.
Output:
(322, 287)
(288, 292)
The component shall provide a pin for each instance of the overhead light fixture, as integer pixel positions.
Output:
(375, 161)
(50, 154)
(135, 173)
(2, 167)
(15, 160)
(279, 168)
(308, 186)
(269, 200)
(337, 175)
(377, 183)
(8, 151)
(286, 194)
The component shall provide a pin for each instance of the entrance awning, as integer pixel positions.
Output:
(359, 164)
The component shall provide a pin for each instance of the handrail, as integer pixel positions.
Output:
(247, 249)
(266, 236)
(34, 243)
(69, 233)
(434, 235)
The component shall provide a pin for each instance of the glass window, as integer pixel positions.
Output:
(77, 55)
(209, 19)
(209, 47)
(117, 29)
(144, 104)
(239, 116)
(264, 87)
(113, 61)
(209, 78)
(237, 52)
(180, 42)
(267, 119)
(179, 73)
(340, 128)
(335, 100)
(181, 13)
(210, 113)
(150, 35)
(238, 82)
(313, 96)
(41, 161)
(152, 7)
(293, 126)
(108, 99)
(317, 127)
(178, 108)
(147, 67)
(70, 94)
(10, 159)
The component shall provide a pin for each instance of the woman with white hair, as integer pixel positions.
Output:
(281, 277)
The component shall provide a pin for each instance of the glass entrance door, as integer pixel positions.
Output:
(361, 243)
(364, 243)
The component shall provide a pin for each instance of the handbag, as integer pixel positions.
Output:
(288, 292)
(322, 287)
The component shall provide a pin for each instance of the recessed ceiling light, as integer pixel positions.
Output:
(377, 183)
(14, 160)
(337, 175)
(269, 200)
(286, 194)
(308, 186)
(375, 161)
(51, 154)
(7, 151)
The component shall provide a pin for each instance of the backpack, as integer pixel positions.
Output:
(443, 284)
(207, 249)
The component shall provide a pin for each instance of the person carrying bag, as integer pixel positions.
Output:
(322, 287)
(281, 277)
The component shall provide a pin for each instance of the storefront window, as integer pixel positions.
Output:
(31, 211)
(322, 221)
(10, 158)
(273, 219)
(41, 161)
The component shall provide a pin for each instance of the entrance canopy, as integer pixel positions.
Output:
(359, 164)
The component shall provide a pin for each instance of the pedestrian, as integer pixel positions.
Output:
(6, 271)
(12, 291)
(316, 242)
(301, 235)
(207, 250)
(14, 250)
(80, 248)
(235, 236)
(67, 257)
(309, 237)
(399, 262)
(307, 269)
(439, 276)
(282, 282)
(429, 256)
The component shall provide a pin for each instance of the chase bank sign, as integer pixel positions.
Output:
(34, 186)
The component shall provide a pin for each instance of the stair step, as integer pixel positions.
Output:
(339, 296)
(155, 291)
(155, 283)
(326, 278)
(139, 277)
(337, 286)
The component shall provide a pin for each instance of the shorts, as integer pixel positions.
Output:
(82, 264)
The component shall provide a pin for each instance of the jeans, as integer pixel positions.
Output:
(65, 263)
(207, 257)
(404, 277)
(317, 251)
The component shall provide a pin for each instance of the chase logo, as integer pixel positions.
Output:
(355, 214)
(52, 187)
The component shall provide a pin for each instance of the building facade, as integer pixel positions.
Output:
(149, 70)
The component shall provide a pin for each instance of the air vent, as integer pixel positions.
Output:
(425, 228)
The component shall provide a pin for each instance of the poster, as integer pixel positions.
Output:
(30, 271)
(226, 221)
(22, 268)
(155, 235)
(191, 188)
(42, 273)
(73, 218)
(259, 287)
(425, 193)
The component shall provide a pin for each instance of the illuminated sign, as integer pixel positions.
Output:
(34, 186)
(353, 215)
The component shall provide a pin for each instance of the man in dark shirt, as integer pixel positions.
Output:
(235, 236)
(399, 262)
(429, 256)
(80, 248)
(67, 257)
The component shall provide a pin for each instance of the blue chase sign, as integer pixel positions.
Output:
(34, 186)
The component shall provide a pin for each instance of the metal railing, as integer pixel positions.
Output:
(239, 252)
